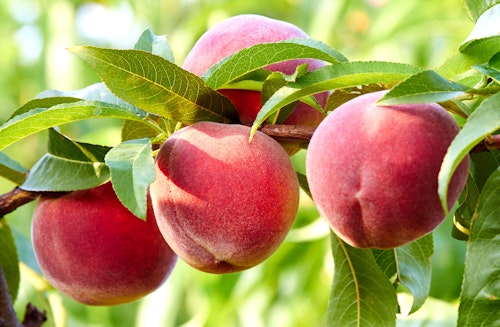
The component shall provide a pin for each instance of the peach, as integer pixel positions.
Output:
(242, 31)
(91, 248)
(223, 204)
(373, 170)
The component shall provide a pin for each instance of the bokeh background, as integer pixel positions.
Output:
(292, 287)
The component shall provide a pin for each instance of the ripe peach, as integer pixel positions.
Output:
(223, 204)
(242, 31)
(91, 248)
(373, 170)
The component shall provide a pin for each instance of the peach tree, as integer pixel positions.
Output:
(183, 134)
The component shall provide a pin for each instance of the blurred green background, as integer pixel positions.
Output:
(292, 287)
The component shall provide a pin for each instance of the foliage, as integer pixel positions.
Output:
(152, 96)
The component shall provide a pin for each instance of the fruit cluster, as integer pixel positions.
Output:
(224, 204)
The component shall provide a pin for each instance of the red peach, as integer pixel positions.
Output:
(93, 249)
(373, 170)
(223, 204)
(242, 31)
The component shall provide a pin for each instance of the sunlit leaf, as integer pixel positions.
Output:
(43, 103)
(481, 123)
(247, 60)
(9, 261)
(132, 170)
(94, 92)
(476, 52)
(361, 294)
(39, 119)
(476, 8)
(480, 298)
(157, 85)
(338, 76)
(487, 24)
(424, 87)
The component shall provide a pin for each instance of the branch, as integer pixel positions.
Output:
(295, 135)
(12, 200)
(8, 318)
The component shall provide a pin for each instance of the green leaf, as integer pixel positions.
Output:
(68, 166)
(8, 259)
(481, 123)
(132, 170)
(155, 44)
(410, 266)
(304, 185)
(56, 174)
(486, 25)
(491, 69)
(258, 56)
(414, 267)
(63, 147)
(338, 76)
(423, 87)
(480, 298)
(476, 52)
(361, 294)
(157, 85)
(11, 169)
(39, 119)
(43, 103)
(476, 8)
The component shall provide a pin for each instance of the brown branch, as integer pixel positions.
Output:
(34, 317)
(12, 200)
(8, 316)
(295, 135)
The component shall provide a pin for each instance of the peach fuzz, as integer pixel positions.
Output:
(373, 170)
(223, 204)
(91, 248)
(242, 31)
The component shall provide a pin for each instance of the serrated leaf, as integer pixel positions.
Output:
(476, 52)
(94, 92)
(155, 44)
(481, 123)
(57, 174)
(476, 8)
(338, 76)
(480, 297)
(132, 170)
(39, 119)
(487, 24)
(258, 56)
(11, 169)
(157, 85)
(43, 103)
(61, 146)
(423, 87)
(9, 260)
(414, 267)
(410, 266)
(68, 166)
(361, 294)
(491, 69)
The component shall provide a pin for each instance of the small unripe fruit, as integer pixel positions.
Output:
(373, 170)
(94, 250)
(242, 31)
(223, 204)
